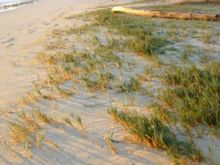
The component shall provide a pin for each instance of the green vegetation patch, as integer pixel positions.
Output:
(142, 41)
(101, 81)
(194, 94)
(130, 86)
(159, 135)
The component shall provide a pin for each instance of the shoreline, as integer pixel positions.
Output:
(7, 6)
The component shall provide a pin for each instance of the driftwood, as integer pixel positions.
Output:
(171, 15)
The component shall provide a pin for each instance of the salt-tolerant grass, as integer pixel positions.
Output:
(74, 121)
(101, 81)
(138, 53)
(109, 141)
(152, 131)
(27, 131)
(194, 94)
(132, 85)
(144, 42)
(196, 102)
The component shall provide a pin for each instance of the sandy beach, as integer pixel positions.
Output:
(25, 33)
(20, 30)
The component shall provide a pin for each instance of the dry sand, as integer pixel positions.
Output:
(21, 31)
(23, 27)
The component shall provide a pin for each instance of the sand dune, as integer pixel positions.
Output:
(21, 32)
(22, 35)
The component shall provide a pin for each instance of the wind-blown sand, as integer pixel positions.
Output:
(21, 31)
(22, 28)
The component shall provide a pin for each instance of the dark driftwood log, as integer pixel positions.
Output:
(171, 15)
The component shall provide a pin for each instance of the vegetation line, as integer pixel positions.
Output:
(152, 131)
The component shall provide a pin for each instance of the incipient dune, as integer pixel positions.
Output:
(21, 33)
(66, 73)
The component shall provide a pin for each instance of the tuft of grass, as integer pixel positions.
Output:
(107, 55)
(147, 75)
(145, 42)
(19, 133)
(108, 140)
(193, 95)
(75, 121)
(68, 121)
(100, 82)
(78, 120)
(187, 53)
(152, 131)
(130, 86)
(28, 130)
(25, 131)
(40, 138)
(208, 38)
(37, 114)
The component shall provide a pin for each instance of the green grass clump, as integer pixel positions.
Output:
(194, 94)
(187, 53)
(37, 114)
(130, 86)
(25, 131)
(107, 55)
(100, 82)
(153, 131)
(143, 40)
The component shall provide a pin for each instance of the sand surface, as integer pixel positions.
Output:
(21, 32)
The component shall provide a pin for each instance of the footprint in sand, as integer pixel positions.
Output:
(55, 25)
(10, 45)
(9, 42)
(45, 23)
(61, 14)
(30, 31)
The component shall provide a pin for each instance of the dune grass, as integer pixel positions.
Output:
(109, 141)
(130, 86)
(144, 42)
(100, 82)
(152, 131)
(27, 130)
(193, 95)
(74, 121)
